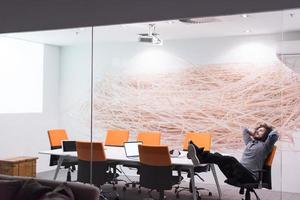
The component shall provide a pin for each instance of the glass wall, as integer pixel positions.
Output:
(216, 75)
(289, 57)
(46, 94)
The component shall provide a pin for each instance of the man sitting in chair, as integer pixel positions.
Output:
(259, 144)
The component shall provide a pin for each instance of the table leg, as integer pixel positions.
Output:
(192, 174)
(59, 162)
(213, 170)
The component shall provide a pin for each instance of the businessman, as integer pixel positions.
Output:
(259, 144)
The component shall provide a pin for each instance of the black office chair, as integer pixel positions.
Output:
(156, 169)
(56, 136)
(264, 181)
(98, 164)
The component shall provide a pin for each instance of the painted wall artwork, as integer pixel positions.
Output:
(217, 98)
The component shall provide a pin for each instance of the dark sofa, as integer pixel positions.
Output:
(81, 191)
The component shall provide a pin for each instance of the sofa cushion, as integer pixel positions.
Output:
(61, 192)
(32, 190)
(9, 188)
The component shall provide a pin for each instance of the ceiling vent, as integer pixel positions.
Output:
(200, 20)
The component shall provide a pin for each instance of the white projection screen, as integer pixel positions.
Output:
(21, 76)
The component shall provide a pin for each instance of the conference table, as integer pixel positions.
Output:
(117, 154)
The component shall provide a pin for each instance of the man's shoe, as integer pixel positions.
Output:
(199, 150)
(192, 155)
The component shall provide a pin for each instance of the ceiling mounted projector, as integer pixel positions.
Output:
(150, 37)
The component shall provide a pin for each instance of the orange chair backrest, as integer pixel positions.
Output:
(116, 137)
(88, 150)
(151, 138)
(270, 157)
(56, 136)
(154, 155)
(198, 138)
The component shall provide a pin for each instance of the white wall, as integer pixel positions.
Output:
(75, 95)
(144, 58)
(26, 134)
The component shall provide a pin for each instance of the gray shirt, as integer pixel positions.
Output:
(257, 151)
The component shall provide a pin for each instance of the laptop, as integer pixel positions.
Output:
(132, 149)
(68, 145)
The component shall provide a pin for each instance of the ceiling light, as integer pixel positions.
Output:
(171, 22)
(247, 31)
(200, 20)
(150, 37)
(244, 15)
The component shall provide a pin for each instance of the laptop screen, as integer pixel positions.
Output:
(69, 145)
(132, 148)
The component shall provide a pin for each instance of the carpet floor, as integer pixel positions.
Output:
(131, 193)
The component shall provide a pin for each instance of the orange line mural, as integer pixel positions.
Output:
(220, 99)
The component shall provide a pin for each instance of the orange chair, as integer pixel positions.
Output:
(201, 140)
(264, 181)
(56, 136)
(156, 169)
(149, 138)
(116, 137)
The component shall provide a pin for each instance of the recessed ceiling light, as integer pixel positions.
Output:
(244, 15)
(200, 20)
(247, 31)
(171, 22)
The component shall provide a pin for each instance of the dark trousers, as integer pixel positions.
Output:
(230, 167)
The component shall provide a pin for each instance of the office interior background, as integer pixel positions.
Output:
(211, 74)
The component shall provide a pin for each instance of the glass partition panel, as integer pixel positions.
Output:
(45, 79)
(289, 55)
(218, 75)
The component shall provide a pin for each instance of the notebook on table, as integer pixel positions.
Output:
(132, 149)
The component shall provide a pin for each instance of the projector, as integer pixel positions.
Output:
(150, 37)
(153, 39)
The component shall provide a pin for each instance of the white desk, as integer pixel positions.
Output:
(118, 154)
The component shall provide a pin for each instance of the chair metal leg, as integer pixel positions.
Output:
(247, 195)
(161, 194)
(69, 175)
(257, 197)
(102, 197)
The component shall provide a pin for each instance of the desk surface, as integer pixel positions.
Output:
(118, 154)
